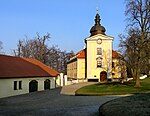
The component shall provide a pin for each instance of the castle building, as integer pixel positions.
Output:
(98, 61)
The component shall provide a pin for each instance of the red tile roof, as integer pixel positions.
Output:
(81, 54)
(116, 54)
(16, 67)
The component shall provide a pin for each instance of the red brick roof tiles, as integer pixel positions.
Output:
(16, 67)
(43, 66)
(81, 54)
(116, 54)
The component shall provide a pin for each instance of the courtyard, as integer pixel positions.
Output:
(52, 103)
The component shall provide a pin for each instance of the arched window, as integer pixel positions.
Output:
(99, 62)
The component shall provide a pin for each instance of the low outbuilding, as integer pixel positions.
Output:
(23, 75)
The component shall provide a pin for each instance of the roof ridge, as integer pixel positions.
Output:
(42, 65)
(14, 66)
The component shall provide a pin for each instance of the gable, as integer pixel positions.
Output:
(99, 36)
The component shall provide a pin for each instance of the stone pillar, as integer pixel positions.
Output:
(58, 81)
(61, 79)
(53, 83)
(66, 79)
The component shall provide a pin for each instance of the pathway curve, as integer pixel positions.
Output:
(70, 89)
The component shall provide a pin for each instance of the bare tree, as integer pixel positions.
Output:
(130, 49)
(36, 48)
(33, 48)
(115, 66)
(58, 59)
(65, 56)
(138, 15)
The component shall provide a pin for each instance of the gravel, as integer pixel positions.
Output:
(52, 103)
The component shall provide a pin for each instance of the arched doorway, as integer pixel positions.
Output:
(103, 76)
(33, 86)
(47, 84)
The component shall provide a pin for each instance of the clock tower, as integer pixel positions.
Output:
(98, 62)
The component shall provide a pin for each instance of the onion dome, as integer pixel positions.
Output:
(97, 28)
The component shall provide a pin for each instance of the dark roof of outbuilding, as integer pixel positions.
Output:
(17, 67)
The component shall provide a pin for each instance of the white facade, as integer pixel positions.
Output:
(22, 85)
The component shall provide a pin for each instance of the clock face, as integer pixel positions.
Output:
(99, 41)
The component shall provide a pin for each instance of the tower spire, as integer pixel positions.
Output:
(97, 6)
(97, 28)
(97, 10)
(97, 18)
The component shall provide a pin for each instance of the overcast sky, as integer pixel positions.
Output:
(68, 21)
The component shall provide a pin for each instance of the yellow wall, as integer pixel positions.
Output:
(81, 68)
(72, 70)
(92, 45)
(76, 69)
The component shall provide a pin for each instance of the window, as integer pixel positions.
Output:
(113, 74)
(99, 51)
(113, 64)
(15, 85)
(99, 63)
(20, 84)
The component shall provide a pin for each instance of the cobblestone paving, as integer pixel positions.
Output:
(51, 103)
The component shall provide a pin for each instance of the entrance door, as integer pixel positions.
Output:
(46, 84)
(103, 76)
(33, 86)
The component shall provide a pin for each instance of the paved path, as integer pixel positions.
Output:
(52, 103)
(70, 89)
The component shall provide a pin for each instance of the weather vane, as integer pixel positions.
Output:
(97, 10)
(97, 7)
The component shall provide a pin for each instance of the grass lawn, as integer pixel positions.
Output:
(135, 105)
(115, 88)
